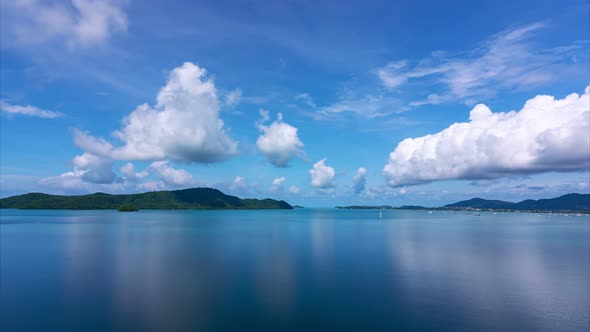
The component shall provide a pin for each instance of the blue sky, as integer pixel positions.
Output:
(318, 103)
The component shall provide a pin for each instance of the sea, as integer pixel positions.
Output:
(293, 270)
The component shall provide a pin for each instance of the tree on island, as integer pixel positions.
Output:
(127, 208)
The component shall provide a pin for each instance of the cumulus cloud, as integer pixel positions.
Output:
(28, 110)
(183, 126)
(277, 184)
(293, 190)
(359, 181)
(239, 185)
(507, 60)
(94, 173)
(69, 182)
(81, 24)
(96, 145)
(279, 142)
(94, 169)
(91, 173)
(129, 173)
(322, 176)
(171, 176)
(546, 135)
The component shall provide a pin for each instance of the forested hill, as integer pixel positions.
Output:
(194, 198)
(569, 202)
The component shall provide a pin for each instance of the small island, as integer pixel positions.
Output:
(127, 208)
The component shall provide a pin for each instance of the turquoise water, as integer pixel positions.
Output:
(297, 270)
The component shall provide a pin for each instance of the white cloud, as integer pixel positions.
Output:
(508, 60)
(68, 182)
(322, 176)
(239, 185)
(81, 24)
(28, 110)
(293, 190)
(96, 145)
(97, 21)
(264, 115)
(183, 126)
(545, 135)
(94, 169)
(153, 186)
(91, 173)
(278, 181)
(359, 181)
(233, 97)
(279, 142)
(171, 176)
(128, 170)
(306, 99)
(390, 75)
(277, 184)
(382, 192)
(370, 106)
(432, 99)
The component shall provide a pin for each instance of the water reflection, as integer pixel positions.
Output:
(293, 270)
(502, 272)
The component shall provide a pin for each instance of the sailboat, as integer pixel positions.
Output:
(380, 213)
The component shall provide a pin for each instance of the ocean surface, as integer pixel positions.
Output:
(293, 270)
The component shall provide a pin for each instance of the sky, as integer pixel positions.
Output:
(319, 103)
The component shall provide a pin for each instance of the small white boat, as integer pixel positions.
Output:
(380, 214)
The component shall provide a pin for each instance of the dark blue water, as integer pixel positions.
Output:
(300, 270)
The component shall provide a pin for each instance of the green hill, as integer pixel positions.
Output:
(480, 203)
(566, 203)
(194, 198)
(569, 202)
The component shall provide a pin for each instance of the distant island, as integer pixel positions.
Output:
(186, 199)
(578, 203)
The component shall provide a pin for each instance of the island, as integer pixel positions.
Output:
(127, 208)
(186, 199)
(569, 203)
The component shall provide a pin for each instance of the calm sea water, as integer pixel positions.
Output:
(299, 270)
